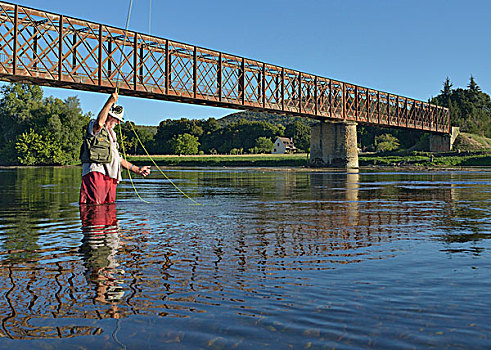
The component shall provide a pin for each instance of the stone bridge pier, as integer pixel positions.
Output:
(334, 144)
(443, 142)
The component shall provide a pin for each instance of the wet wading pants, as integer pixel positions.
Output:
(97, 188)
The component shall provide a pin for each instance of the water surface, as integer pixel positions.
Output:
(270, 259)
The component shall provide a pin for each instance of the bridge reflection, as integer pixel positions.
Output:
(299, 222)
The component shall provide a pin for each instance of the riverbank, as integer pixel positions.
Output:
(246, 160)
(424, 159)
(428, 159)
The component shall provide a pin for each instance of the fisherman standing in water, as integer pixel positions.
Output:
(101, 161)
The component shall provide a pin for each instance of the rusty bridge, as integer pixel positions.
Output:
(50, 49)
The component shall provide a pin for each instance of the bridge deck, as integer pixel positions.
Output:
(54, 50)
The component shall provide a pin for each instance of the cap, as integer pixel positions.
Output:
(116, 111)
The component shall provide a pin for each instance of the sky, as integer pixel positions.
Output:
(406, 47)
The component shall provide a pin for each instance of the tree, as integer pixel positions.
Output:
(240, 134)
(264, 145)
(66, 124)
(472, 86)
(470, 109)
(18, 105)
(184, 144)
(35, 149)
(25, 116)
(386, 143)
(447, 88)
(136, 135)
(300, 133)
(169, 128)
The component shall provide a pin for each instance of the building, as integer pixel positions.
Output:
(284, 145)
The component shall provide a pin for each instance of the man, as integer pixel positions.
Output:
(101, 161)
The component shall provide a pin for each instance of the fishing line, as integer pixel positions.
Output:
(161, 171)
(124, 43)
(134, 131)
(115, 335)
(117, 91)
(129, 172)
(150, 16)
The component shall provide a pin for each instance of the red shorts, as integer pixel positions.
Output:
(97, 188)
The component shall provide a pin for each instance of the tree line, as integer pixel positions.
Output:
(185, 136)
(38, 130)
(470, 109)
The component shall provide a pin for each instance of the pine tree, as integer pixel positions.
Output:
(473, 85)
(470, 108)
(447, 88)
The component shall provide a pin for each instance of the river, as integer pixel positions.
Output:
(270, 259)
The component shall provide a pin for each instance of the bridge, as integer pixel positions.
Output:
(48, 49)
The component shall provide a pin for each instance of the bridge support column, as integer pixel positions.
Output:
(334, 144)
(443, 143)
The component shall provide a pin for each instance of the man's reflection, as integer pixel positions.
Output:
(100, 245)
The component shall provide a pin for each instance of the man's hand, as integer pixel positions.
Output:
(113, 98)
(144, 170)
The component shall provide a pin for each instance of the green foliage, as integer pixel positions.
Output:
(27, 117)
(472, 142)
(386, 143)
(184, 144)
(131, 143)
(263, 117)
(168, 129)
(407, 139)
(470, 109)
(427, 159)
(296, 159)
(264, 145)
(241, 134)
(230, 134)
(35, 149)
(300, 134)
(18, 109)
(39, 130)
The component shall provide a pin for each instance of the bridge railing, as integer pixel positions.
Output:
(55, 50)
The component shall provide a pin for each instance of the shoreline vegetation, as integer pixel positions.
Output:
(38, 130)
(413, 159)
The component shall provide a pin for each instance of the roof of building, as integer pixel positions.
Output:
(287, 142)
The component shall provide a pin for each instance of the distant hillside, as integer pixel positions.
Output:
(263, 117)
(150, 128)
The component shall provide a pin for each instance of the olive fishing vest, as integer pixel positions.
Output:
(96, 149)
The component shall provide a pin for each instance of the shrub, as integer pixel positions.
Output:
(386, 143)
(35, 149)
(184, 144)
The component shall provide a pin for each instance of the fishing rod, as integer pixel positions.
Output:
(134, 131)
(128, 16)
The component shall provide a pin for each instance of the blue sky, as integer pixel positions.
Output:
(407, 47)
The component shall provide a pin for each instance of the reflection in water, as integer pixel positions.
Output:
(279, 258)
(100, 245)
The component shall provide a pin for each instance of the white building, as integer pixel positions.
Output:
(283, 145)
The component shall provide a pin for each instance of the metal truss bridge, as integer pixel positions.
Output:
(50, 49)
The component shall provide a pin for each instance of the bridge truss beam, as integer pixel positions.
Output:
(49, 49)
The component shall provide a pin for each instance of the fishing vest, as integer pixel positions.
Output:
(96, 149)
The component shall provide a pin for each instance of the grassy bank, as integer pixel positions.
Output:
(249, 160)
(425, 159)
